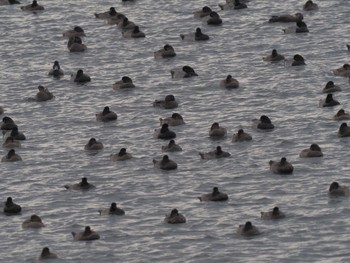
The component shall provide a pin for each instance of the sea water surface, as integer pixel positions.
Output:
(316, 227)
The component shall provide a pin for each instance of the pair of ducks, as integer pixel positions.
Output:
(298, 60)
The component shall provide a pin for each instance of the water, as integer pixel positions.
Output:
(315, 229)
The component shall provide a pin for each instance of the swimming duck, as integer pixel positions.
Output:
(229, 83)
(171, 147)
(281, 167)
(213, 19)
(166, 52)
(344, 130)
(165, 163)
(135, 33)
(11, 143)
(75, 44)
(215, 195)
(247, 229)
(77, 31)
(330, 87)
(217, 131)
(33, 222)
(274, 214)
(106, 115)
(112, 210)
(32, 7)
(47, 254)
(11, 207)
(341, 115)
(11, 156)
(310, 6)
(336, 189)
(239, 5)
(185, 72)
(126, 24)
(264, 123)
(164, 132)
(329, 101)
(287, 18)
(274, 57)
(218, 153)
(93, 145)
(81, 77)
(124, 83)
(15, 134)
(241, 136)
(175, 120)
(121, 156)
(175, 217)
(107, 14)
(205, 11)
(86, 235)
(83, 185)
(44, 94)
(197, 36)
(298, 60)
(56, 70)
(313, 151)
(168, 103)
(344, 71)
(7, 124)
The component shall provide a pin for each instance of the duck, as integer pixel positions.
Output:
(344, 130)
(75, 44)
(310, 6)
(274, 57)
(47, 254)
(15, 134)
(56, 70)
(7, 124)
(166, 52)
(10, 207)
(197, 36)
(107, 14)
(126, 24)
(124, 83)
(165, 163)
(106, 115)
(213, 19)
(164, 132)
(281, 167)
(344, 71)
(77, 31)
(121, 156)
(264, 123)
(247, 229)
(313, 151)
(83, 185)
(274, 214)
(43, 94)
(135, 33)
(34, 6)
(241, 136)
(93, 145)
(205, 11)
(216, 131)
(171, 147)
(301, 27)
(11, 156)
(168, 103)
(81, 77)
(175, 120)
(329, 101)
(11, 143)
(218, 153)
(215, 195)
(185, 72)
(338, 190)
(175, 217)
(229, 83)
(341, 115)
(287, 18)
(298, 60)
(112, 210)
(239, 5)
(86, 235)
(330, 87)
(33, 222)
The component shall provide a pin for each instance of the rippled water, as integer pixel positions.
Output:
(315, 229)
